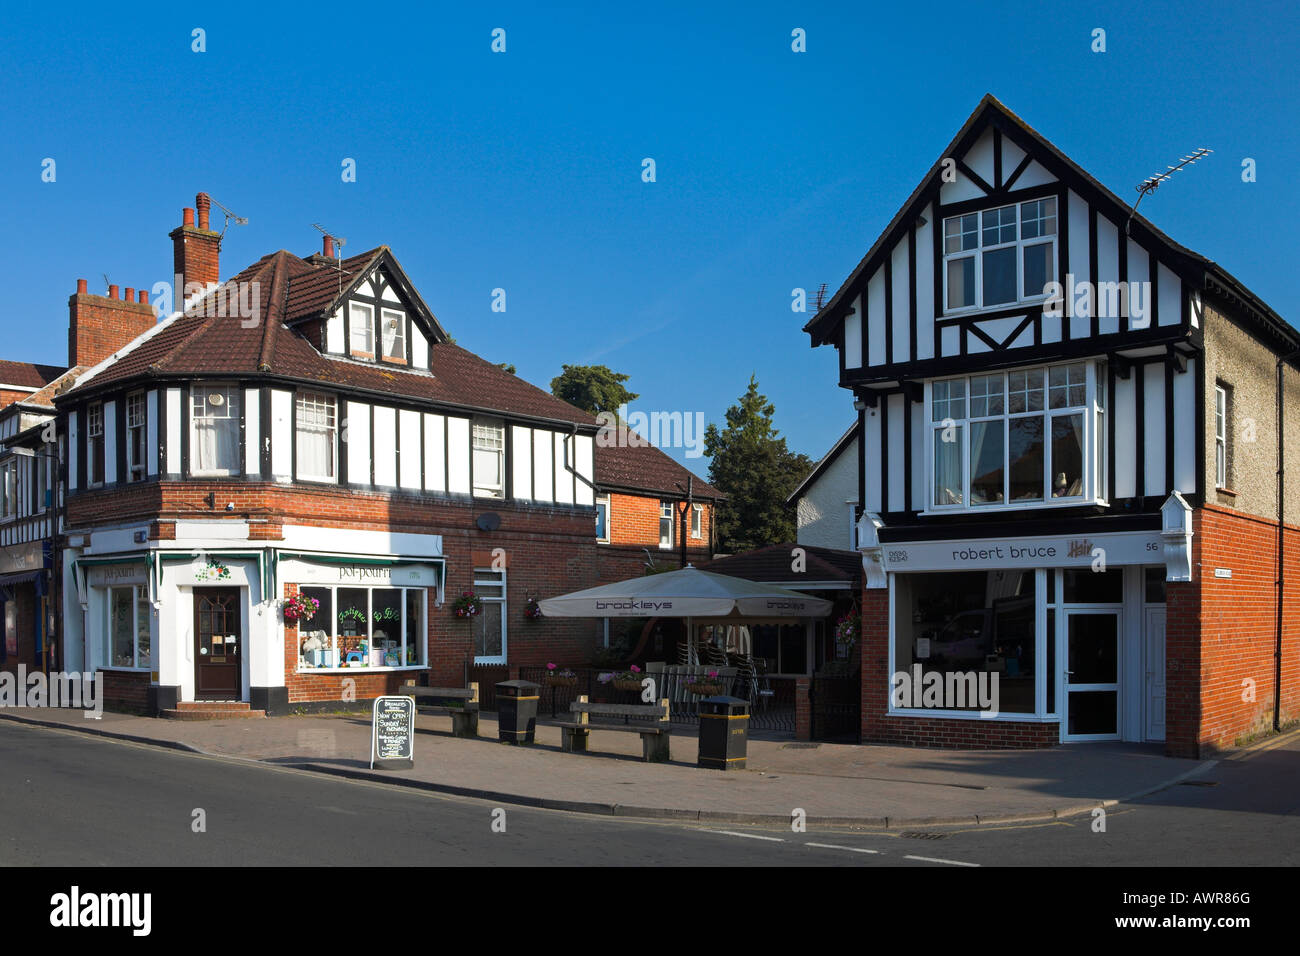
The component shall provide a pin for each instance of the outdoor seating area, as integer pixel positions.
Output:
(655, 737)
(461, 703)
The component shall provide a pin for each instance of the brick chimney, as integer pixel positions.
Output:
(99, 325)
(196, 250)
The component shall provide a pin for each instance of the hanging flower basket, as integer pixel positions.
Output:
(468, 604)
(300, 608)
(847, 630)
(560, 677)
(532, 610)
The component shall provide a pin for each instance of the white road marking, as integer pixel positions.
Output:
(836, 846)
(935, 859)
(747, 836)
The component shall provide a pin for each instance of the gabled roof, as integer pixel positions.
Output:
(193, 344)
(992, 113)
(773, 563)
(27, 374)
(623, 466)
(845, 441)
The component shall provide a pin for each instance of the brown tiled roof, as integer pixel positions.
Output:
(27, 375)
(645, 468)
(772, 563)
(194, 344)
(44, 398)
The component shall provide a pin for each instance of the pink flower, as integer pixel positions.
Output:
(635, 669)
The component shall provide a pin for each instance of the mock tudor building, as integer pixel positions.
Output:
(826, 502)
(307, 432)
(1077, 488)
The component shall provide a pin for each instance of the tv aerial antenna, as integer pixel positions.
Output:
(339, 243)
(230, 217)
(1152, 183)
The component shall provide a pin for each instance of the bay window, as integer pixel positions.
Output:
(317, 437)
(214, 429)
(1026, 437)
(363, 627)
(999, 257)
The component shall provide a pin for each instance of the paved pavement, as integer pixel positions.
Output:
(862, 785)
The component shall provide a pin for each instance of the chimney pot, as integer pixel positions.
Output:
(112, 292)
(187, 216)
(81, 287)
(203, 203)
(130, 294)
(144, 296)
(329, 247)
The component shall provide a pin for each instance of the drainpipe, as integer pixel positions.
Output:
(1281, 555)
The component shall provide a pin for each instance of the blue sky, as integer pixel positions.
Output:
(522, 170)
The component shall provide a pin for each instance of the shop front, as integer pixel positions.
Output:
(1020, 641)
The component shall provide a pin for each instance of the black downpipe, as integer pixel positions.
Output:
(1281, 554)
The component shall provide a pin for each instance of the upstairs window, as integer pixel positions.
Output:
(489, 460)
(665, 524)
(95, 438)
(135, 437)
(362, 323)
(9, 489)
(317, 437)
(1222, 434)
(999, 257)
(214, 429)
(602, 520)
(1020, 438)
(394, 337)
(697, 520)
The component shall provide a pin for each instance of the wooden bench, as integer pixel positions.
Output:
(461, 702)
(655, 738)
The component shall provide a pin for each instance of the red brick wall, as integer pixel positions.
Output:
(9, 396)
(1238, 629)
(126, 691)
(100, 325)
(634, 529)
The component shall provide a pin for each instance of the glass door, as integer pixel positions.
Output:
(1091, 686)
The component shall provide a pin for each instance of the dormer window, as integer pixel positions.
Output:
(394, 336)
(999, 257)
(361, 319)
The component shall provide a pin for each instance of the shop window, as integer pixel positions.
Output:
(489, 460)
(214, 429)
(665, 524)
(490, 623)
(964, 625)
(1085, 586)
(697, 520)
(95, 443)
(1023, 438)
(394, 336)
(135, 436)
(602, 520)
(317, 437)
(364, 627)
(126, 633)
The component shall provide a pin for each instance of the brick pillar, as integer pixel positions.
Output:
(802, 709)
(1183, 669)
(874, 648)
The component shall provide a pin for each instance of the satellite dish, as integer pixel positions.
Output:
(488, 521)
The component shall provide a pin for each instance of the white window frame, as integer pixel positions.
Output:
(484, 577)
(361, 316)
(1020, 244)
(697, 521)
(106, 646)
(40, 471)
(603, 502)
(1220, 437)
(9, 490)
(420, 637)
(666, 510)
(1093, 412)
(137, 422)
(307, 401)
(487, 439)
(233, 396)
(398, 339)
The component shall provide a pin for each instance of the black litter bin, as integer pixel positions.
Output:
(724, 732)
(517, 711)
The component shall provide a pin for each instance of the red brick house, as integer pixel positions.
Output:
(306, 431)
(1074, 481)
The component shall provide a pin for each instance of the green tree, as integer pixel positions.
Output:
(753, 467)
(593, 388)
(508, 367)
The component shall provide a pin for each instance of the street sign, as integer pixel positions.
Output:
(392, 736)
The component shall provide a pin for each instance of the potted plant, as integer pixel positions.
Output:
(560, 677)
(707, 686)
(468, 604)
(300, 608)
(532, 610)
(847, 630)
